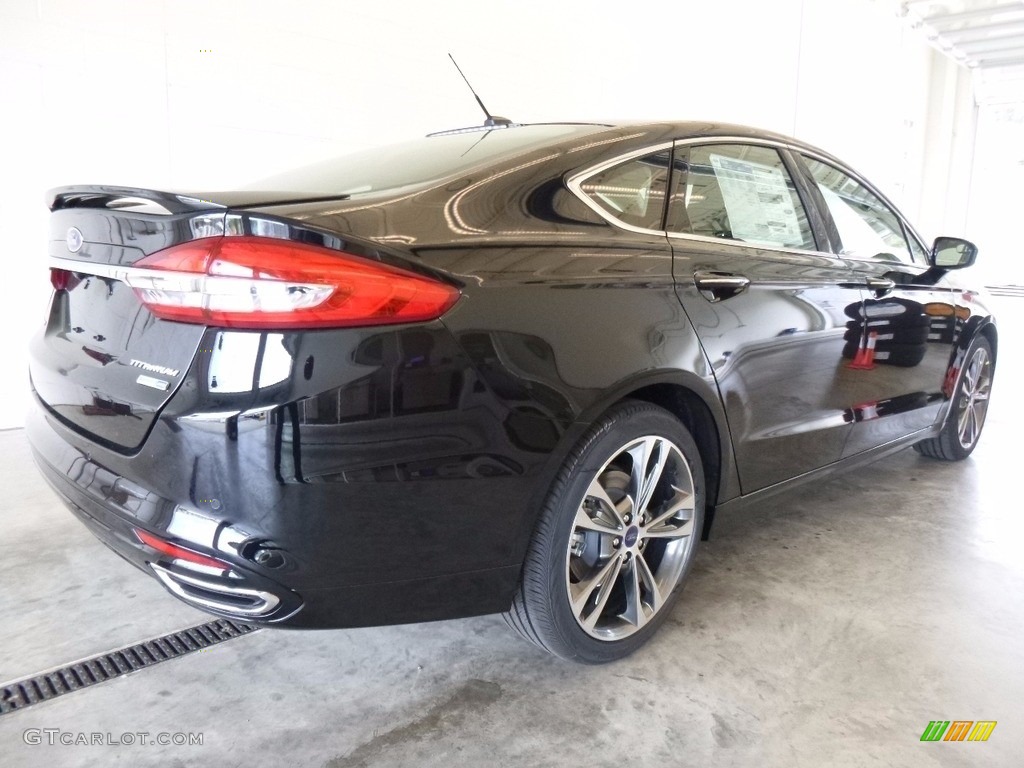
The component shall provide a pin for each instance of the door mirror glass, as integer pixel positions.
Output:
(953, 253)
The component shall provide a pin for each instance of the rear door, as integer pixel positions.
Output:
(768, 302)
(903, 337)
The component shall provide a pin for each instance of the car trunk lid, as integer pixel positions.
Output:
(103, 364)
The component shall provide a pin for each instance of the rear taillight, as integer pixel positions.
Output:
(256, 282)
(59, 278)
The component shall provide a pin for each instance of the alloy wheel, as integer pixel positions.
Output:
(974, 392)
(631, 537)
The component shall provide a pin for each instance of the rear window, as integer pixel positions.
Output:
(421, 161)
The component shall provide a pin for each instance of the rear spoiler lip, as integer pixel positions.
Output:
(100, 196)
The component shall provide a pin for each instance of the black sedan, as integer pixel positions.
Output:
(511, 369)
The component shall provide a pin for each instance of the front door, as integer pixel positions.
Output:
(900, 342)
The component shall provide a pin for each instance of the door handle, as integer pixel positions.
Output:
(880, 286)
(718, 286)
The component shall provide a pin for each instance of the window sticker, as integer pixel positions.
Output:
(758, 202)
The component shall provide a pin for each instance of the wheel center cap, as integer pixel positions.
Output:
(631, 536)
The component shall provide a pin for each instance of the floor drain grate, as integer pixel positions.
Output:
(106, 666)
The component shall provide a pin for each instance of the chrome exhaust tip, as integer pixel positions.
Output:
(217, 595)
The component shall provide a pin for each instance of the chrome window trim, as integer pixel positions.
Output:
(744, 244)
(575, 185)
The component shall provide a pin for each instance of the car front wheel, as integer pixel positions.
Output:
(967, 412)
(616, 538)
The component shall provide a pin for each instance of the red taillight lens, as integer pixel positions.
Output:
(59, 278)
(257, 282)
(179, 553)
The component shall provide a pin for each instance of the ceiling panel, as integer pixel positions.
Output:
(985, 35)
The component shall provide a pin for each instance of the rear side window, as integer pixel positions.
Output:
(737, 192)
(632, 192)
(867, 227)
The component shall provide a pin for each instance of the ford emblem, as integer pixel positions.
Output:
(74, 239)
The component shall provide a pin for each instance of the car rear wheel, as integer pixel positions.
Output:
(967, 412)
(616, 538)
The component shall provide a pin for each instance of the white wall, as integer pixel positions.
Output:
(203, 93)
(995, 210)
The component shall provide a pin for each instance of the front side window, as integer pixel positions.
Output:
(917, 250)
(632, 192)
(867, 227)
(737, 192)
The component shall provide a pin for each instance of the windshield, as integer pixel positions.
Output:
(421, 161)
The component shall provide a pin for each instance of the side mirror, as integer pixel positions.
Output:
(953, 253)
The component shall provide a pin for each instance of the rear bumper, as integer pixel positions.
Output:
(94, 499)
(245, 595)
(419, 510)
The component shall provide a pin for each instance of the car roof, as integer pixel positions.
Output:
(697, 129)
(465, 155)
(623, 136)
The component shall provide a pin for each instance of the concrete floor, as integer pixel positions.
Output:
(826, 628)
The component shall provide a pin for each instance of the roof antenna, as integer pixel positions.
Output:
(492, 121)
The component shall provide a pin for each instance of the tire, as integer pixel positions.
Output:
(890, 353)
(894, 335)
(901, 355)
(602, 572)
(967, 411)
